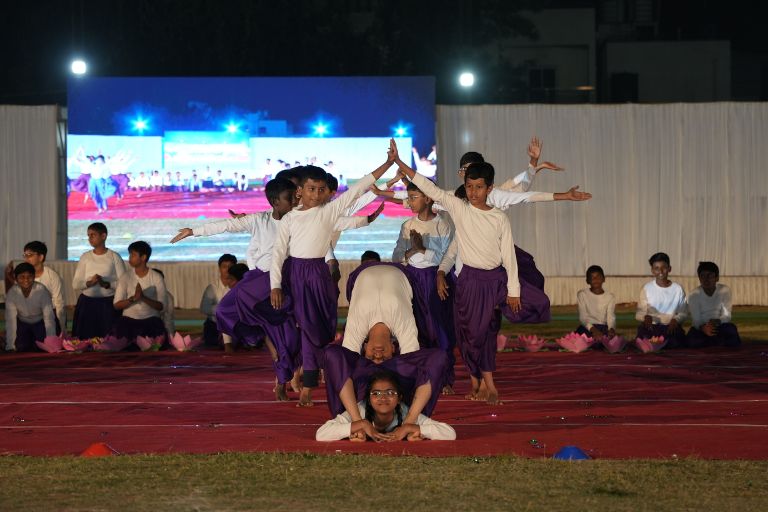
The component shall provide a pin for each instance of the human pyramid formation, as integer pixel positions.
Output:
(455, 271)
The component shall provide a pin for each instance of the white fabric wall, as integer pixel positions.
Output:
(685, 179)
(30, 201)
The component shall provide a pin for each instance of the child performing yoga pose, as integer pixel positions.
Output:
(381, 417)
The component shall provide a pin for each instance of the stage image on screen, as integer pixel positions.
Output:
(148, 156)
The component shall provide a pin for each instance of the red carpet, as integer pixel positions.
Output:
(708, 404)
(190, 205)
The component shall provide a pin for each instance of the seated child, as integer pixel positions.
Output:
(597, 308)
(382, 412)
(248, 335)
(661, 308)
(28, 311)
(212, 295)
(139, 296)
(710, 306)
(35, 254)
(169, 304)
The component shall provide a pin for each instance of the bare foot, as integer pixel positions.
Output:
(493, 398)
(321, 380)
(475, 388)
(470, 396)
(280, 393)
(482, 392)
(296, 381)
(228, 348)
(448, 390)
(305, 398)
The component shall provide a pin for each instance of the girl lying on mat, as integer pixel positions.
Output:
(383, 412)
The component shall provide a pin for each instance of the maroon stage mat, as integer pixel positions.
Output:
(710, 404)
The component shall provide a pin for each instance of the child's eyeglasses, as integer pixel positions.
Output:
(383, 393)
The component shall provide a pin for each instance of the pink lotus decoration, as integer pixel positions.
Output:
(614, 345)
(147, 343)
(648, 345)
(531, 343)
(576, 343)
(185, 343)
(110, 344)
(76, 345)
(51, 344)
(501, 342)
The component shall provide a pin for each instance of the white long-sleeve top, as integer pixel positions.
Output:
(350, 221)
(382, 294)
(596, 309)
(662, 304)
(704, 308)
(484, 237)
(307, 233)
(109, 266)
(212, 296)
(263, 229)
(52, 281)
(451, 258)
(152, 286)
(30, 310)
(522, 182)
(340, 427)
(437, 235)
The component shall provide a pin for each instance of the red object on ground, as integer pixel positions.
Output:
(711, 403)
(99, 450)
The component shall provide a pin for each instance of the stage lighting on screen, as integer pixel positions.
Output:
(182, 152)
(79, 67)
(467, 79)
(139, 125)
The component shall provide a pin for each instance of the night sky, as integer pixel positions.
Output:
(303, 38)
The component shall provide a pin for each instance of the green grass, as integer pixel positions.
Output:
(307, 482)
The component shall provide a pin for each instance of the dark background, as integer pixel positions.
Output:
(327, 38)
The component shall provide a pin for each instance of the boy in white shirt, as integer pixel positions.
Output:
(95, 280)
(28, 311)
(140, 294)
(488, 279)
(710, 306)
(35, 254)
(305, 234)
(661, 309)
(212, 296)
(597, 308)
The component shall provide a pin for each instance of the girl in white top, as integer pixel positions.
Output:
(382, 414)
(95, 280)
(597, 308)
(35, 254)
(27, 306)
